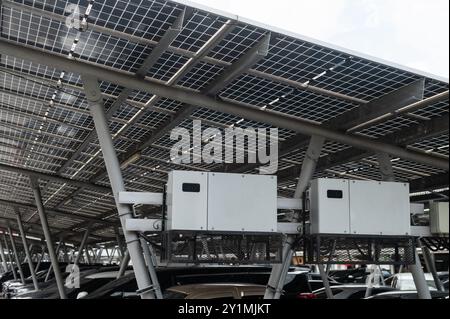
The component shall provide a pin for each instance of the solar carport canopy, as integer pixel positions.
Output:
(163, 64)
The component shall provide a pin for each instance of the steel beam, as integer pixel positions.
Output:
(96, 107)
(410, 108)
(416, 133)
(2, 255)
(187, 110)
(430, 263)
(151, 265)
(57, 212)
(123, 264)
(391, 102)
(16, 255)
(48, 238)
(9, 257)
(151, 60)
(386, 169)
(119, 242)
(279, 272)
(60, 230)
(26, 250)
(83, 245)
(54, 178)
(189, 54)
(256, 54)
(430, 183)
(41, 257)
(242, 110)
(50, 269)
(423, 290)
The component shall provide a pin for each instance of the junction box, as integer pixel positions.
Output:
(439, 214)
(365, 208)
(216, 202)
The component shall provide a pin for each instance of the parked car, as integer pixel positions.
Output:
(11, 288)
(405, 282)
(316, 282)
(126, 287)
(216, 291)
(297, 280)
(354, 276)
(349, 292)
(408, 295)
(90, 280)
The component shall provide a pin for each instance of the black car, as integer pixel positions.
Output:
(408, 295)
(125, 287)
(90, 280)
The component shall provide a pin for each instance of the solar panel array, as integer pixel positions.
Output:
(44, 116)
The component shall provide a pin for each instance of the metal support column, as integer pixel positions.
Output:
(88, 256)
(431, 266)
(2, 254)
(50, 269)
(326, 282)
(151, 264)
(124, 264)
(386, 169)
(95, 101)
(11, 264)
(387, 175)
(48, 238)
(16, 255)
(119, 242)
(82, 245)
(41, 257)
(279, 272)
(113, 253)
(27, 252)
(423, 290)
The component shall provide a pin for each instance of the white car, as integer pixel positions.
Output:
(405, 282)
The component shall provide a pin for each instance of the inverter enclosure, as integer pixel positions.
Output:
(330, 206)
(380, 208)
(417, 209)
(242, 203)
(187, 201)
(359, 208)
(217, 202)
(439, 213)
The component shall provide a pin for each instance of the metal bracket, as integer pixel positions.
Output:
(142, 198)
(143, 225)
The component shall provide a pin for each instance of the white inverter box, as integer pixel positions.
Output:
(439, 214)
(242, 203)
(187, 201)
(360, 208)
(217, 202)
(380, 208)
(330, 206)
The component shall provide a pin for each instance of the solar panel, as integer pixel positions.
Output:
(44, 116)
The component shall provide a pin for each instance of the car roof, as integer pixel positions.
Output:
(353, 286)
(408, 292)
(216, 287)
(106, 274)
(408, 275)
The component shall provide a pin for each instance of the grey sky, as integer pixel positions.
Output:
(414, 33)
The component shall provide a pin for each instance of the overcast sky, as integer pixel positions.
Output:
(414, 33)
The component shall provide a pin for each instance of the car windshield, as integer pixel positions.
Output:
(410, 285)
